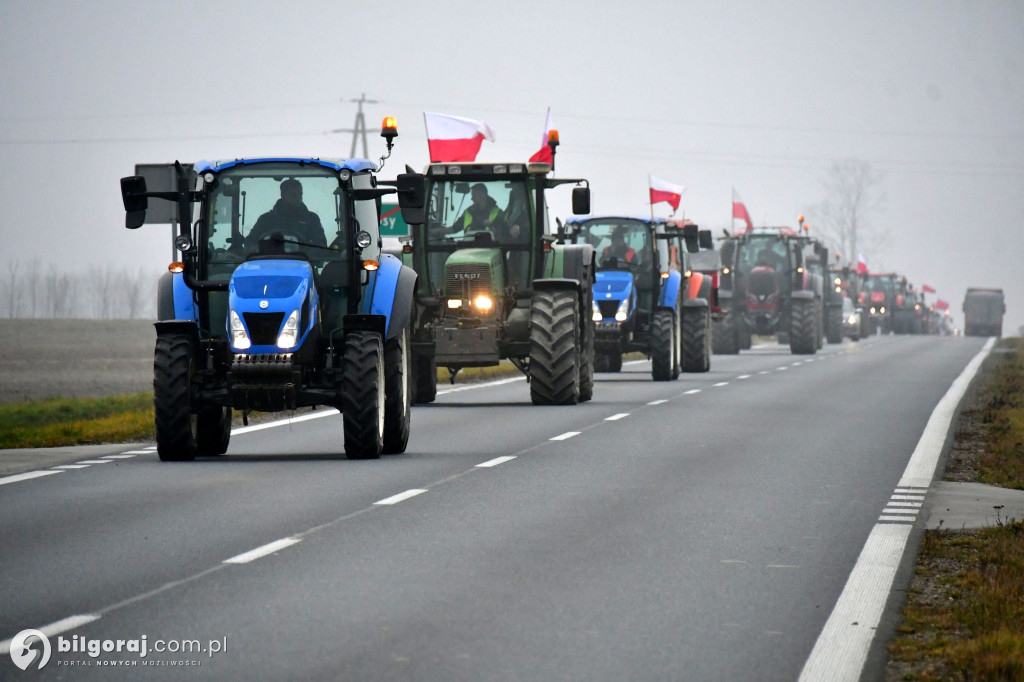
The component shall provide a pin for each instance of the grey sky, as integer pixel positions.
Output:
(759, 96)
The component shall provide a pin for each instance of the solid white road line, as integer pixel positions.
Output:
(844, 642)
(26, 476)
(63, 625)
(401, 497)
(269, 548)
(495, 462)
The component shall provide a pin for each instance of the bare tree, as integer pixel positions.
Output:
(33, 286)
(852, 196)
(58, 292)
(133, 289)
(14, 288)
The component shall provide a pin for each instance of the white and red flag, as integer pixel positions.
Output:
(927, 289)
(453, 138)
(665, 191)
(739, 210)
(862, 265)
(544, 154)
(941, 305)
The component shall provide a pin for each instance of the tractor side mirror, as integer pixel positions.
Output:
(580, 200)
(691, 235)
(133, 194)
(706, 240)
(412, 197)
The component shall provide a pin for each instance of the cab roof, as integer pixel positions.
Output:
(354, 165)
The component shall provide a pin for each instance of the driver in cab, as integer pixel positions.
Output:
(289, 217)
(619, 249)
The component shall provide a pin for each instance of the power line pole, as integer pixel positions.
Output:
(359, 128)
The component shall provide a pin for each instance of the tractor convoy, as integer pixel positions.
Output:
(284, 297)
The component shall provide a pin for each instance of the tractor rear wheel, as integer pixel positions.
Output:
(425, 376)
(615, 362)
(213, 430)
(554, 348)
(397, 389)
(177, 423)
(835, 325)
(587, 363)
(725, 338)
(363, 395)
(696, 346)
(803, 327)
(662, 345)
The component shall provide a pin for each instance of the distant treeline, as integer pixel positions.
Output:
(32, 290)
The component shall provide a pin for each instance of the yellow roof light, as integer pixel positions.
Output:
(370, 265)
(176, 267)
(389, 127)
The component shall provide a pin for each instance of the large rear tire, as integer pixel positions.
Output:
(398, 394)
(725, 337)
(803, 327)
(554, 348)
(587, 363)
(363, 395)
(696, 346)
(177, 422)
(834, 327)
(425, 377)
(662, 345)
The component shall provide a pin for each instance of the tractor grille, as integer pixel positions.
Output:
(608, 308)
(467, 280)
(263, 327)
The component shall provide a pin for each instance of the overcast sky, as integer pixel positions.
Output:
(752, 95)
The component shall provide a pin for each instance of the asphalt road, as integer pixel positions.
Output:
(701, 529)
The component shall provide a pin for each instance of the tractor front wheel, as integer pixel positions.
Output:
(803, 327)
(177, 423)
(662, 345)
(696, 346)
(554, 348)
(363, 395)
(213, 430)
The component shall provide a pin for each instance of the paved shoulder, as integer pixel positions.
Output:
(954, 505)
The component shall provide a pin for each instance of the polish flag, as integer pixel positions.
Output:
(862, 265)
(665, 191)
(453, 138)
(544, 154)
(941, 305)
(927, 289)
(739, 210)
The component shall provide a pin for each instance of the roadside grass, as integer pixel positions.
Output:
(79, 421)
(964, 616)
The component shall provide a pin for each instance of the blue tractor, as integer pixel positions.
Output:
(646, 295)
(282, 299)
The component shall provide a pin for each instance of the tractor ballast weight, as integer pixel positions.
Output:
(274, 307)
(495, 283)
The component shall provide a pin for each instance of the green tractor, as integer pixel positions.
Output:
(494, 283)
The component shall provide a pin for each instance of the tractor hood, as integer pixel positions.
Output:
(613, 285)
(470, 272)
(271, 306)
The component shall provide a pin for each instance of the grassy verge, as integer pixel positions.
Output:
(63, 421)
(964, 617)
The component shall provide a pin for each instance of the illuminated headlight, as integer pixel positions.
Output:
(454, 303)
(837, 281)
(595, 312)
(483, 302)
(852, 319)
(839, 290)
(289, 335)
(725, 271)
(917, 306)
(239, 339)
(882, 310)
(623, 312)
(873, 311)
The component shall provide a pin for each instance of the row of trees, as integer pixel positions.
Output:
(31, 290)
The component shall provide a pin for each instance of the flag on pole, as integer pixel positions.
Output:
(739, 210)
(665, 191)
(927, 289)
(941, 305)
(544, 154)
(453, 138)
(862, 265)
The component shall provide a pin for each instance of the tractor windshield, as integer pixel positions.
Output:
(619, 242)
(770, 252)
(883, 284)
(272, 208)
(479, 213)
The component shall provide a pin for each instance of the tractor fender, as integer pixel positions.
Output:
(802, 295)
(389, 292)
(179, 328)
(174, 299)
(571, 261)
(694, 283)
(695, 303)
(671, 287)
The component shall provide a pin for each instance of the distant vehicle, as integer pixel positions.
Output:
(851, 320)
(983, 312)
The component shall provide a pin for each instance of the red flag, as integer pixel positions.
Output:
(453, 138)
(941, 305)
(665, 191)
(739, 210)
(544, 154)
(927, 289)
(862, 265)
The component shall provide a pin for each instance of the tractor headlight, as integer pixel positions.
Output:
(289, 335)
(852, 319)
(454, 303)
(622, 314)
(595, 312)
(239, 338)
(882, 310)
(483, 302)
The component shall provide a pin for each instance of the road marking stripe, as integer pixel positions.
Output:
(94, 461)
(721, 383)
(71, 466)
(657, 402)
(743, 376)
(904, 504)
(692, 391)
(899, 510)
(842, 647)
(69, 623)
(566, 436)
(782, 369)
(496, 461)
(131, 453)
(263, 551)
(401, 497)
(764, 371)
(26, 476)
(912, 498)
(616, 417)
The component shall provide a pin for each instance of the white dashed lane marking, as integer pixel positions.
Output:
(495, 462)
(616, 417)
(401, 497)
(566, 436)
